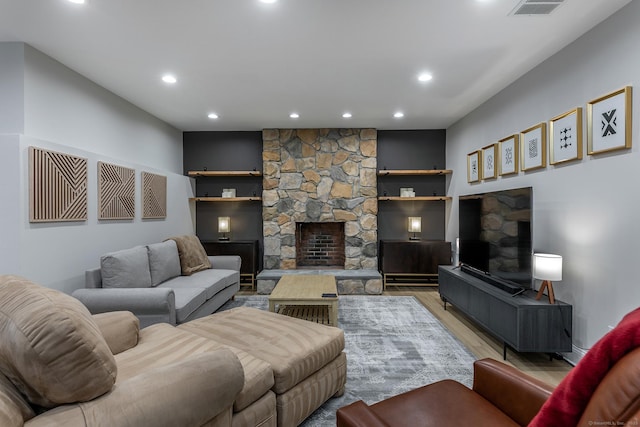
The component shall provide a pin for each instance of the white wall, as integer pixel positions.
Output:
(67, 113)
(11, 88)
(586, 210)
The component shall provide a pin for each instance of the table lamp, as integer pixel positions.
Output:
(547, 267)
(224, 226)
(415, 226)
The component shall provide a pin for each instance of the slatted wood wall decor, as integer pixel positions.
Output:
(116, 192)
(57, 186)
(154, 196)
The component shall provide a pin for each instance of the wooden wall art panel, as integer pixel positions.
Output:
(116, 192)
(154, 196)
(57, 186)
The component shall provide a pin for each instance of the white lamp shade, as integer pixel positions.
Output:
(224, 224)
(415, 224)
(547, 267)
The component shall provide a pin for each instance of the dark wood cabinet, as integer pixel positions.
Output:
(519, 321)
(248, 250)
(412, 259)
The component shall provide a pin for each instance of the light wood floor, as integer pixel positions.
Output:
(476, 339)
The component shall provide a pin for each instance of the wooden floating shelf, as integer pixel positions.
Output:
(224, 173)
(403, 172)
(417, 198)
(225, 199)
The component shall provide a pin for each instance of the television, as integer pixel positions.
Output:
(495, 234)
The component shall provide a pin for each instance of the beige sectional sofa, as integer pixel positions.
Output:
(61, 366)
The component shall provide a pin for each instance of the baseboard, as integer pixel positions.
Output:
(576, 354)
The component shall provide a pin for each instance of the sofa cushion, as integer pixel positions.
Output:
(162, 344)
(128, 268)
(212, 281)
(294, 348)
(192, 255)
(188, 300)
(14, 410)
(164, 261)
(52, 350)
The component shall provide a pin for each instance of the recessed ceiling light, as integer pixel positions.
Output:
(77, 1)
(294, 115)
(425, 77)
(212, 115)
(268, 1)
(398, 114)
(168, 78)
(347, 115)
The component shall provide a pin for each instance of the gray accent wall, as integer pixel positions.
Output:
(411, 149)
(52, 107)
(587, 210)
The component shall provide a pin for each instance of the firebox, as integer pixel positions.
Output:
(320, 244)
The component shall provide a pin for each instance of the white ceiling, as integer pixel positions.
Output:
(253, 63)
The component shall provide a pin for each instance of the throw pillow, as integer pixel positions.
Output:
(164, 261)
(52, 350)
(128, 268)
(193, 257)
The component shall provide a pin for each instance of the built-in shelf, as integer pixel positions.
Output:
(400, 172)
(225, 199)
(419, 198)
(224, 173)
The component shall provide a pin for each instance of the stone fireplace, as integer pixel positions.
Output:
(320, 176)
(320, 245)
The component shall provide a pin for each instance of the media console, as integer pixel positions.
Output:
(517, 319)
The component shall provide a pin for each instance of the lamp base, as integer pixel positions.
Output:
(546, 284)
(224, 239)
(414, 238)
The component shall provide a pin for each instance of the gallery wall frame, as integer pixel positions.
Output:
(57, 186)
(474, 165)
(154, 196)
(609, 122)
(565, 137)
(509, 155)
(533, 147)
(489, 160)
(116, 192)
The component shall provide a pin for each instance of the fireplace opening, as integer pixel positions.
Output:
(320, 245)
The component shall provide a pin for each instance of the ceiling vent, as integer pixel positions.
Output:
(536, 7)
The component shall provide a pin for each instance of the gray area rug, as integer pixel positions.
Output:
(393, 344)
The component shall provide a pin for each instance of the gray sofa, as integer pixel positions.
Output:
(157, 283)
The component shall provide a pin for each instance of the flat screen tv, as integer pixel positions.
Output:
(495, 234)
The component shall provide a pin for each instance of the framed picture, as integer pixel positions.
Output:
(473, 166)
(509, 155)
(565, 132)
(533, 147)
(489, 156)
(609, 122)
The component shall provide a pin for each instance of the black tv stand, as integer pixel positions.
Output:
(498, 282)
(520, 321)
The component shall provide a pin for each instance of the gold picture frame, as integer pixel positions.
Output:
(474, 166)
(489, 161)
(509, 155)
(533, 147)
(565, 134)
(609, 122)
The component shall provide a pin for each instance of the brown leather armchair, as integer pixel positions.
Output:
(603, 389)
(501, 396)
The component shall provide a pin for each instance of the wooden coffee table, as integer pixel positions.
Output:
(301, 295)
